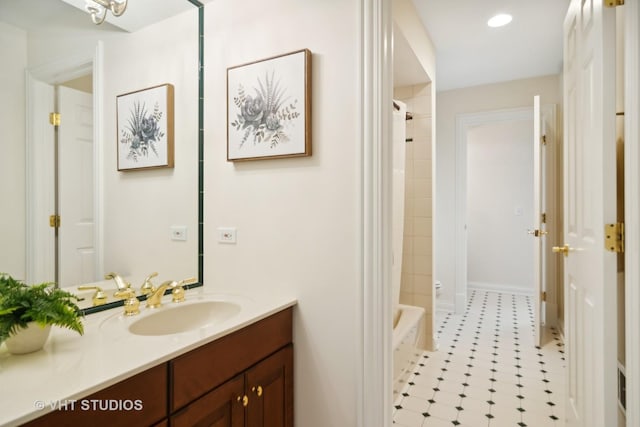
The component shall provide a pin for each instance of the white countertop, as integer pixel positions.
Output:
(71, 366)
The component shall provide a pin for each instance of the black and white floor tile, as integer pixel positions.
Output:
(488, 371)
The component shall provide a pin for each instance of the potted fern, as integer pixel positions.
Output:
(27, 313)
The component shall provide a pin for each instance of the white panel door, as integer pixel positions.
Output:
(589, 185)
(76, 251)
(41, 175)
(537, 231)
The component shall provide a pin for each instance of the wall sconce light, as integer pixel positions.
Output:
(98, 9)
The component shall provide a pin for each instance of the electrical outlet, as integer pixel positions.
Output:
(226, 235)
(178, 233)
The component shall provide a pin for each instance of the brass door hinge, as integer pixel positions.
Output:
(543, 296)
(54, 119)
(54, 221)
(614, 237)
(544, 139)
(543, 217)
(537, 233)
(613, 3)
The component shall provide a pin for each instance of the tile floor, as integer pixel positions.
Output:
(488, 371)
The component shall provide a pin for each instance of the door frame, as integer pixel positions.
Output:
(53, 73)
(632, 207)
(373, 374)
(464, 122)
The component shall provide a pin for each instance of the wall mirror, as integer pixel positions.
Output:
(69, 216)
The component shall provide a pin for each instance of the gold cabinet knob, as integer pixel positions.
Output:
(562, 250)
(243, 399)
(257, 390)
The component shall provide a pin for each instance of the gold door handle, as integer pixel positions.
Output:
(257, 390)
(537, 233)
(562, 250)
(244, 399)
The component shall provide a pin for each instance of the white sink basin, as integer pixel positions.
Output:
(198, 312)
(177, 318)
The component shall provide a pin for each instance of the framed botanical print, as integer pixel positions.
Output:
(269, 108)
(145, 128)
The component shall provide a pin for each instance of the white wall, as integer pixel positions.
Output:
(498, 96)
(500, 206)
(298, 219)
(141, 206)
(13, 48)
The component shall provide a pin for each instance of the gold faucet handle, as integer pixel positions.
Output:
(177, 294)
(131, 303)
(99, 297)
(178, 290)
(147, 287)
(125, 293)
(189, 281)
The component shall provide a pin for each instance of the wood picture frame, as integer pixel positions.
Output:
(269, 108)
(145, 128)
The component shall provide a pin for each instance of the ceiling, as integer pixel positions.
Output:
(70, 15)
(469, 53)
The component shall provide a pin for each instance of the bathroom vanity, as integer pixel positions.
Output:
(238, 373)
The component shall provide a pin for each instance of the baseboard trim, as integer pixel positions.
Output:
(447, 307)
(493, 287)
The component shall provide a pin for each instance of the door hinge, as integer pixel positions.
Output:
(614, 237)
(537, 233)
(544, 139)
(54, 119)
(543, 217)
(54, 221)
(613, 3)
(543, 296)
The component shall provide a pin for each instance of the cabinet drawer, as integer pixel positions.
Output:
(209, 366)
(119, 404)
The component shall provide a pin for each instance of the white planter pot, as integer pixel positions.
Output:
(29, 339)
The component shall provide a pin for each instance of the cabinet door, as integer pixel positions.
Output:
(270, 391)
(221, 407)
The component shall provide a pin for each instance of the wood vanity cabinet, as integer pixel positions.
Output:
(149, 387)
(252, 372)
(262, 396)
(244, 379)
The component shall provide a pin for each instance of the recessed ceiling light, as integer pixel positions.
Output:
(499, 20)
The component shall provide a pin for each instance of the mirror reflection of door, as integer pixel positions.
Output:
(63, 183)
(75, 248)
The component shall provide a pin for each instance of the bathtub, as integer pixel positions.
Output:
(408, 342)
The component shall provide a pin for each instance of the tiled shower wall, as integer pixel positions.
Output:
(417, 265)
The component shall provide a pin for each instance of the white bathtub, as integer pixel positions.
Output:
(408, 343)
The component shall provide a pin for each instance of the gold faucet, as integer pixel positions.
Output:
(120, 284)
(99, 297)
(131, 303)
(154, 300)
(147, 286)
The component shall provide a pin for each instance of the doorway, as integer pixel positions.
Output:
(494, 194)
(64, 172)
